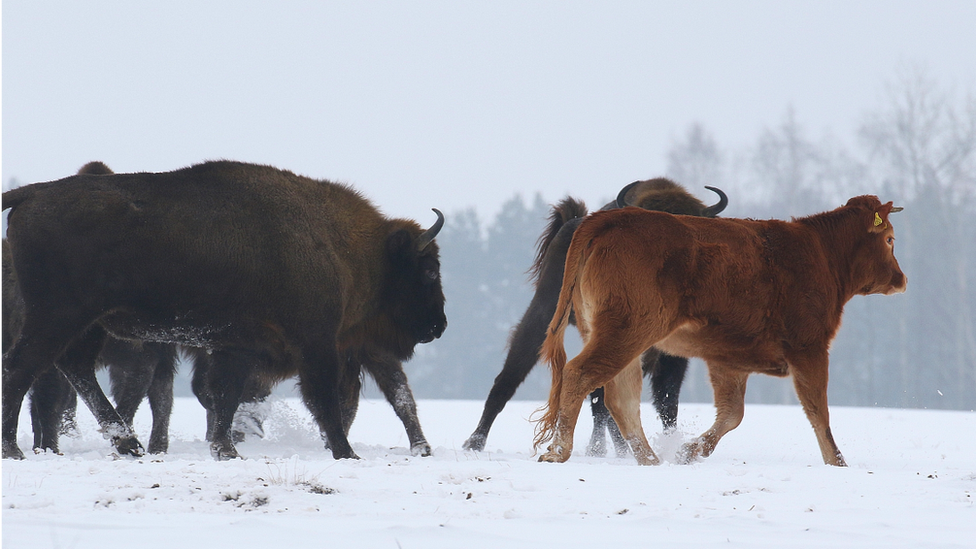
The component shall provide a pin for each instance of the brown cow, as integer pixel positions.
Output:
(746, 296)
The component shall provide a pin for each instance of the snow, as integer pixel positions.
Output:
(911, 483)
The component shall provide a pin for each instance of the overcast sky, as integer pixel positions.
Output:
(448, 104)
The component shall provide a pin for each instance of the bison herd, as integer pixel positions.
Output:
(257, 275)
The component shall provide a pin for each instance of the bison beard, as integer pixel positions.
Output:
(666, 371)
(276, 274)
(747, 296)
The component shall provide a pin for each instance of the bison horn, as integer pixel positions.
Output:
(427, 236)
(716, 208)
(622, 195)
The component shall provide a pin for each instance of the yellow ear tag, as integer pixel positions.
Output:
(877, 219)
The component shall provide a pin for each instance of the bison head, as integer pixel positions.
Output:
(413, 298)
(663, 195)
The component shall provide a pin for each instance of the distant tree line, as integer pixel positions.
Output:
(912, 350)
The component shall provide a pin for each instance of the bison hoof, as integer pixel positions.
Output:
(421, 449)
(475, 442)
(597, 447)
(158, 448)
(12, 451)
(223, 452)
(128, 446)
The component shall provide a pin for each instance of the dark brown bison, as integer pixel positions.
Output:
(666, 371)
(149, 371)
(747, 296)
(273, 273)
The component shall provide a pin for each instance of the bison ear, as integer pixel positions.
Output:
(399, 243)
(880, 220)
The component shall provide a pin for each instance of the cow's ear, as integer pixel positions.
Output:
(399, 243)
(880, 220)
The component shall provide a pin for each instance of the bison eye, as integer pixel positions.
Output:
(432, 275)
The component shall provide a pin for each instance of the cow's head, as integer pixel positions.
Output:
(413, 299)
(663, 195)
(874, 258)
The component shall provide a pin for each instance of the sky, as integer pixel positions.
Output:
(449, 104)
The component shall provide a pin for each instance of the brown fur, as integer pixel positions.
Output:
(747, 296)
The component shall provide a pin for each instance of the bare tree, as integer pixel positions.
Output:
(924, 148)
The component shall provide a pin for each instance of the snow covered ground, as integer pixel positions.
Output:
(911, 483)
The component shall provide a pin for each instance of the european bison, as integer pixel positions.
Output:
(274, 273)
(747, 296)
(149, 370)
(666, 371)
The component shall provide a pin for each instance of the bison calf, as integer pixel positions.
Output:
(746, 296)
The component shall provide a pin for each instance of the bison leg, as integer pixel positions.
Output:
(729, 387)
(19, 365)
(202, 364)
(161, 399)
(131, 369)
(50, 398)
(810, 380)
(527, 337)
(667, 375)
(602, 424)
(623, 394)
(319, 383)
(78, 365)
(223, 385)
(392, 380)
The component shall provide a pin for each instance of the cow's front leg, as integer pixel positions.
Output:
(810, 380)
(729, 387)
(623, 400)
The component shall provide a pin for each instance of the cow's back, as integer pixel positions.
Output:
(716, 279)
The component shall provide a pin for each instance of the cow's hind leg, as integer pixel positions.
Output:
(623, 394)
(729, 387)
(810, 380)
(598, 362)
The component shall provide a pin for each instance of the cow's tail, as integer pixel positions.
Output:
(553, 350)
(16, 197)
(566, 210)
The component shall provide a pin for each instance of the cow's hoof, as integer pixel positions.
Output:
(475, 442)
(128, 446)
(556, 454)
(421, 449)
(690, 453)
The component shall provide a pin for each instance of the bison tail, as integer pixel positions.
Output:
(16, 197)
(566, 210)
